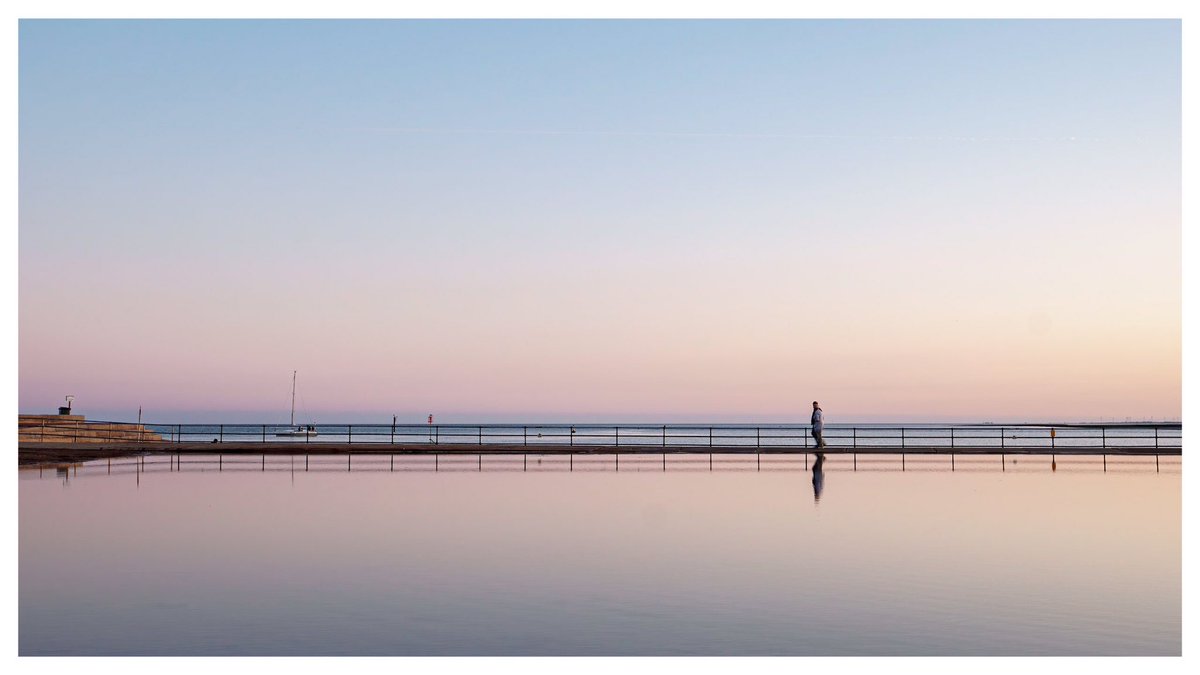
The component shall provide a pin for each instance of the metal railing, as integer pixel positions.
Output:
(780, 437)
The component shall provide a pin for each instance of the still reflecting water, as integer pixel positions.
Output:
(555, 556)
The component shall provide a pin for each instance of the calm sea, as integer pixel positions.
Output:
(529, 555)
(697, 435)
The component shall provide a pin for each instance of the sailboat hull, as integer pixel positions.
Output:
(296, 433)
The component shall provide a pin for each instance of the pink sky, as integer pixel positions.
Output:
(928, 226)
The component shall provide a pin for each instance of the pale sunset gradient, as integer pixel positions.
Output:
(606, 220)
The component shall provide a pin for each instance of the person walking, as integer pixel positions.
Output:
(818, 425)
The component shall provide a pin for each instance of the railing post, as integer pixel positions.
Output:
(758, 438)
(617, 433)
(902, 443)
(1155, 439)
(264, 433)
(221, 431)
(436, 434)
(481, 435)
(805, 430)
(854, 437)
(1001, 438)
(524, 435)
(349, 434)
(664, 435)
(178, 433)
(1103, 439)
(710, 437)
(951, 438)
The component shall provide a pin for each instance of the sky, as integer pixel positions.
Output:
(600, 220)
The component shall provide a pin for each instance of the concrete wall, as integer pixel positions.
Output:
(75, 429)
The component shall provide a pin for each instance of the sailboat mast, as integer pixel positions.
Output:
(293, 419)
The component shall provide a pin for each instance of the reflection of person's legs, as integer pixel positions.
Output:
(819, 436)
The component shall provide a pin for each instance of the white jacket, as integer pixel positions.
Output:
(818, 421)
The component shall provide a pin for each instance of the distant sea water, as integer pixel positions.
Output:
(768, 436)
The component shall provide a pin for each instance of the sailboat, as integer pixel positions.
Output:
(302, 432)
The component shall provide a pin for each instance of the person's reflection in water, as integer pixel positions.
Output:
(818, 477)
